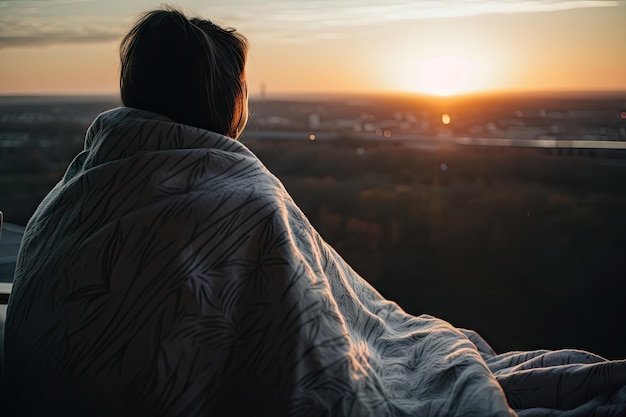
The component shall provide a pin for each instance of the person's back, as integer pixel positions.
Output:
(113, 288)
(82, 340)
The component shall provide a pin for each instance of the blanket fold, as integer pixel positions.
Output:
(170, 273)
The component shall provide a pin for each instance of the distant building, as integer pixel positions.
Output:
(13, 139)
(315, 121)
(9, 246)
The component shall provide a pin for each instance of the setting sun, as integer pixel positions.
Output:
(443, 75)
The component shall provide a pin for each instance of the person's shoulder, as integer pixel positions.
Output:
(121, 115)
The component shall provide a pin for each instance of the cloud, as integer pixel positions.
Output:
(38, 3)
(40, 31)
(30, 22)
(339, 13)
(46, 22)
(289, 20)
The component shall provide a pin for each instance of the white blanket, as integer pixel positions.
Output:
(169, 273)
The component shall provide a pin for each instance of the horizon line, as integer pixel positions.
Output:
(338, 94)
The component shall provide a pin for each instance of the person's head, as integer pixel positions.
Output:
(189, 70)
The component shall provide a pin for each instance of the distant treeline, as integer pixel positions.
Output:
(524, 247)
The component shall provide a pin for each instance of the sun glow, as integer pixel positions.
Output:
(443, 75)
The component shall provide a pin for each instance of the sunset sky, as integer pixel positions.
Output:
(437, 47)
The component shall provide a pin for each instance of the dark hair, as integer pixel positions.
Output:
(189, 70)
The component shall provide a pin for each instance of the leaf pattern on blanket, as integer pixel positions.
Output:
(169, 273)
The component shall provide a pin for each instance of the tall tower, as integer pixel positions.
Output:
(263, 91)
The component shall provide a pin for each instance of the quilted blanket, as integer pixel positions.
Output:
(169, 273)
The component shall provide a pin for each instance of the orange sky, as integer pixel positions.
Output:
(338, 46)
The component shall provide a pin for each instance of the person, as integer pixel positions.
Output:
(169, 273)
(189, 70)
